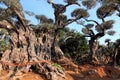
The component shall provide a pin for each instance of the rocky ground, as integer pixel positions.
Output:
(74, 72)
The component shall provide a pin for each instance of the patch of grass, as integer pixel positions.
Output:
(56, 65)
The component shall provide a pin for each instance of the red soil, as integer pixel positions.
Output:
(74, 72)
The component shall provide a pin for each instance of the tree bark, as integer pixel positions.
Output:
(94, 44)
(27, 48)
(93, 49)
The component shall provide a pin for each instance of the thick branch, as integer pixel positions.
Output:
(99, 35)
(86, 36)
(103, 20)
(92, 21)
(71, 21)
(67, 38)
(91, 33)
(21, 18)
(72, 4)
(118, 10)
(6, 25)
(96, 22)
(59, 10)
(65, 6)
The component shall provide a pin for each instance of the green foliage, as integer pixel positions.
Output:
(111, 33)
(55, 65)
(89, 3)
(106, 10)
(105, 25)
(104, 2)
(80, 13)
(61, 34)
(85, 30)
(8, 13)
(43, 19)
(12, 3)
(74, 47)
(70, 1)
(4, 14)
(110, 49)
(4, 44)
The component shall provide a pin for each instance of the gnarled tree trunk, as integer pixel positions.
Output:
(93, 49)
(94, 44)
(28, 50)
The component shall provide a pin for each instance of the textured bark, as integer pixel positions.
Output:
(56, 52)
(94, 44)
(93, 49)
(28, 48)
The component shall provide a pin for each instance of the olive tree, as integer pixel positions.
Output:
(94, 37)
(104, 11)
(28, 50)
(61, 20)
(30, 47)
(111, 51)
(108, 7)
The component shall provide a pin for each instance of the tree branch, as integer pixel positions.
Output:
(92, 21)
(21, 18)
(118, 10)
(98, 35)
(96, 22)
(71, 21)
(93, 34)
(6, 25)
(86, 36)
(103, 20)
(72, 4)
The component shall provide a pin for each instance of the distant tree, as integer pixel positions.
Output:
(108, 8)
(113, 50)
(102, 12)
(116, 53)
(101, 29)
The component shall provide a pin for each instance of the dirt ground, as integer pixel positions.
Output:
(74, 72)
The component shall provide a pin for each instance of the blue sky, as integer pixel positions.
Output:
(42, 7)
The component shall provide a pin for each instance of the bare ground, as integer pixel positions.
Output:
(74, 72)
